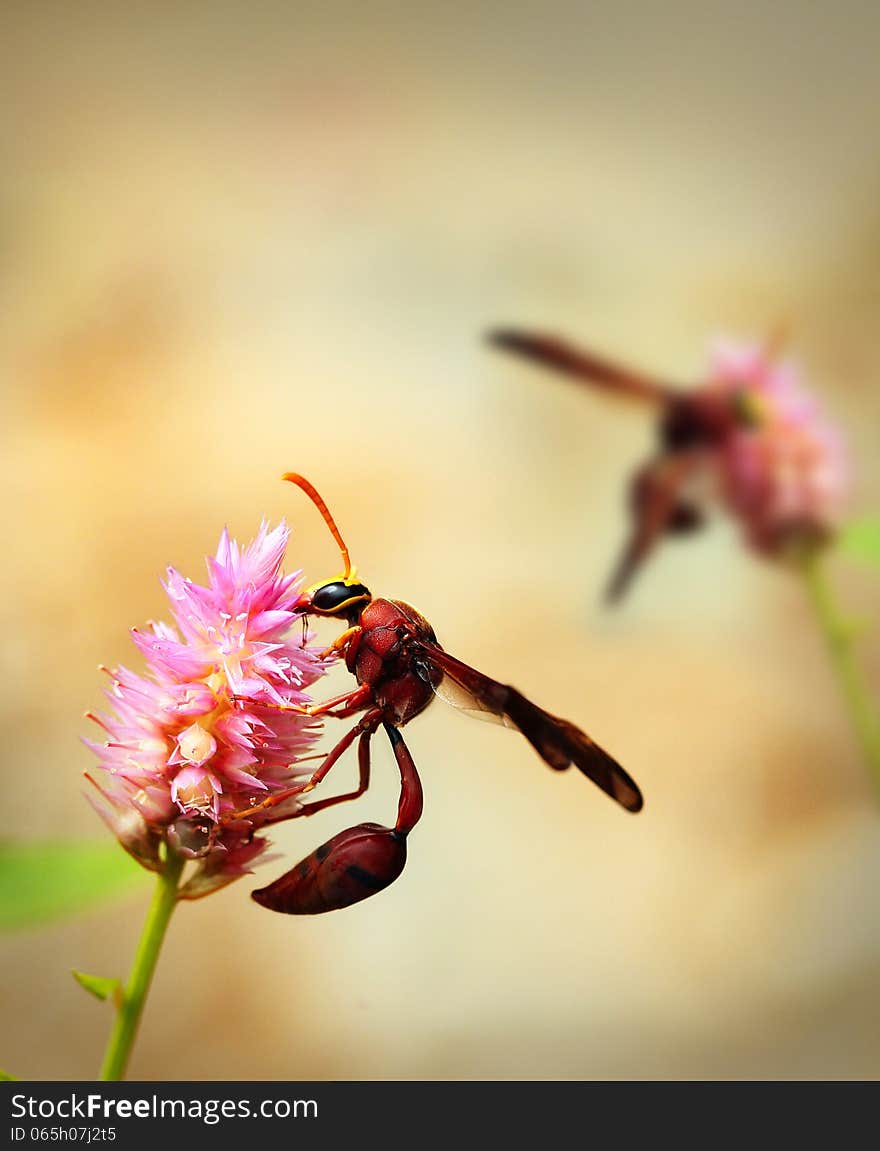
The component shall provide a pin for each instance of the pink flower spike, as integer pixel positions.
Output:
(194, 741)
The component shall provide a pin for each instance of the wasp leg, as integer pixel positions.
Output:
(355, 863)
(341, 642)
(369, 722)
(358, 701)
(363, 779)
(353, 700)
(347, 704)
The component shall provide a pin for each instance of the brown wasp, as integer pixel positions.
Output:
(691, 426)
(399, 666)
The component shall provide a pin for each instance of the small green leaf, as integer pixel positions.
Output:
(43, 881)
(101, 986)
(861, 539)
(5, 1077)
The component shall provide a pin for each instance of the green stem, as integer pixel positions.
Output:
(839, 638)
(129, 1014)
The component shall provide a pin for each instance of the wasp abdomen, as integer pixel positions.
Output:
(350, 867)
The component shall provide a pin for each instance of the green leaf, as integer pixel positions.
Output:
(43, 881)
(5, 1077)
(101, 986)
(861, 539)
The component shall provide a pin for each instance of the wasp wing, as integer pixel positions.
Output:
(452, 692)
(659, 508)
(559, 743)
(579, 364)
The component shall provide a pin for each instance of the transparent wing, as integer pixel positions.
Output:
(559, 743)
(461, 699)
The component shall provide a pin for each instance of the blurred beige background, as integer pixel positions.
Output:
(240, 240)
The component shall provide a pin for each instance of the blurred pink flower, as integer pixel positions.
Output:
(782, 464)
(193, 741)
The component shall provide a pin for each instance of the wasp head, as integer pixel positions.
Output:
(343, 598)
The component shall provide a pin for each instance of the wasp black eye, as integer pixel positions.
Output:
(335, 598)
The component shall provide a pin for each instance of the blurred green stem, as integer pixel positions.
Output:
(840, 639)
(130, 1009)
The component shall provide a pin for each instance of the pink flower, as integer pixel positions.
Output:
(199, 741)
(782, 465)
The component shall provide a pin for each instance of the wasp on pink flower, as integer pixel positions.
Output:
(751, 435)
(203, 753)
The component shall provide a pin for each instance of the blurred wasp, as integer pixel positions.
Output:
(399, 666)
(664, 492)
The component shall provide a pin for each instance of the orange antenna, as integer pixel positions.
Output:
(312, 493)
